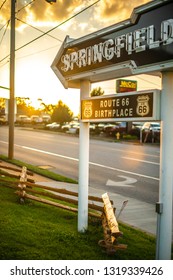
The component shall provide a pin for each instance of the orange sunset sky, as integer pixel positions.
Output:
(33, 76)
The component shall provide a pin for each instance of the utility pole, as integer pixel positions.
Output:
(12, 83)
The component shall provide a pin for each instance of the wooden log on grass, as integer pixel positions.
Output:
(16, 184)
(18, 177)
(15, 169)
(56, 204)
(64, 191)
(66, 199)
(39, 199)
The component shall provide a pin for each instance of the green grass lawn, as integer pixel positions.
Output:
(36, 231)
(38, 170)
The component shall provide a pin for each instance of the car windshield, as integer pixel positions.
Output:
(155, 125)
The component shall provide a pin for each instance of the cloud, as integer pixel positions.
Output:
(118, 10)
(40, 11)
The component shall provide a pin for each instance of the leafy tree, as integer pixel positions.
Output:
(62, 113)
(24, 107)
(97, 92)
(47, 108)
(2, 106)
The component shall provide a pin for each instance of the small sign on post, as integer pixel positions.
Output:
(123, 85)
(132, 106)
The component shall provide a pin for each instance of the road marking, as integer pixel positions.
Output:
(124, 171)
(3, 142)
(126, 183)
(47, 153)
(91, 163)
(140, 160)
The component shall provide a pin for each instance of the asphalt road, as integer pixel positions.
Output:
(131, 170)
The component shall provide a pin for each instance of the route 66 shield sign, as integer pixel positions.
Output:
(87, 109)
(143, 107)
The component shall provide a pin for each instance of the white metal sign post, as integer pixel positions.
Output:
(164, 229)
(141, 44)
(83, 166)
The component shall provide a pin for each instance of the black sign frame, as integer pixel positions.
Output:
(141, 44)
(132, 106)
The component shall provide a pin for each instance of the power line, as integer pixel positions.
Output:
(7, 23)
(3, 4)
(16, 11)
(4, 31)
(45, 33)
(35, 53)
(38, 29)
(3, 35)
(4, 25)
(4, 87)
(31, 54)
(25, 6)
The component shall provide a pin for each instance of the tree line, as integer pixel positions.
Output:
(60, 112)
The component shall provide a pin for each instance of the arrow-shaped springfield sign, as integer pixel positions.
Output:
(141, 44)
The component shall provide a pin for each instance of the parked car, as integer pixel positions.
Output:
(110, 129)
(23, 119)
(151, 132)
(137, 125)
(92, 128)
(151, 126)
(73, 128)
(53, 126)
(3, 120)
(118, 127)
(65, 127)
(46, 118)
(100, 128)
(36, 119)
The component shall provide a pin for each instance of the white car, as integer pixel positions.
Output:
(53, 126)
(151, 126)
(74, 129)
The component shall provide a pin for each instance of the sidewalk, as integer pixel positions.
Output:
(138, 214)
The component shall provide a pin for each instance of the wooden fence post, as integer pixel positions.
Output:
(22, 185)
(110, 228)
